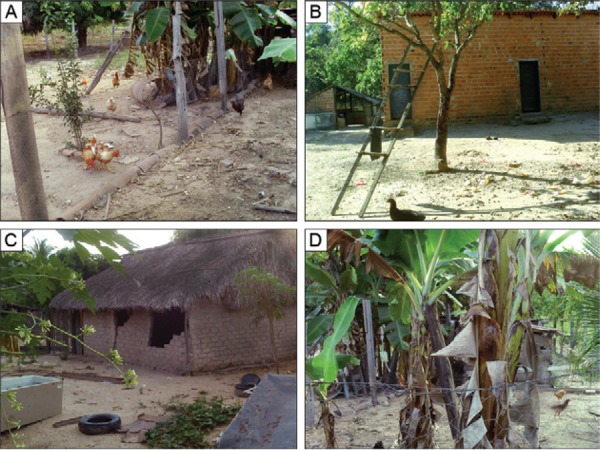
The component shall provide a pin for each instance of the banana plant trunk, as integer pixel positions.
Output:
(446, 377)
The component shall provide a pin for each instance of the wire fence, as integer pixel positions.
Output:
(521, 399)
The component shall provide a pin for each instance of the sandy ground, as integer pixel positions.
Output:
(361, 425)
(217, 176)
(88, 397)
(531, 172)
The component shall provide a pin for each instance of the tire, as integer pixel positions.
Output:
(240, 389)
(99, 423)
(251, 379)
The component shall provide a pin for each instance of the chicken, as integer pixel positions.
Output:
(560, 407)
(403, 215)
(268, 82)
(560, 394)
(238, 104)
(84, 82)
(111, 105)
(88, 155)
(116, 80)
(105, 154)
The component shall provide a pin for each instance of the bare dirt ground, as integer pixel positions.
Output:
(361, 425)
(530, 172)
(89, 397)
(218, 175)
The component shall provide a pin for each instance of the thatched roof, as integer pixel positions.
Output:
(175, 275)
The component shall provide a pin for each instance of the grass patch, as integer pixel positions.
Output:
(191, 424)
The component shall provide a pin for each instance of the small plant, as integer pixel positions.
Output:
(68, 95)
(191, 424)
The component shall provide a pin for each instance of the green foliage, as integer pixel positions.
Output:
(324, 366)
(281, 50)
(344, 53)
(190, 425)
(157, 21)
(67, 95)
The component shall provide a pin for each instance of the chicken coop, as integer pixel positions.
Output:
(176, 307)
(345, 106)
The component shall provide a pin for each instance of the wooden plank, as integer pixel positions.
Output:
(98, 115)
(107, 61)
(62, 423)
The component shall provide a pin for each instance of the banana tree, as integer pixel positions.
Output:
(425, 257)
(495, 327)
(340, 288)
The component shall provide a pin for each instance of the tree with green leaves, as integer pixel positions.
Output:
(451, 28)
(59, 15)
(343, 53)
(267, 296)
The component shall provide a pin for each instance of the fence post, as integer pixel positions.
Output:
(370, 338)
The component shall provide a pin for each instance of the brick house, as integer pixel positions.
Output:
(518, 63)
(176, 306)
(346, 105)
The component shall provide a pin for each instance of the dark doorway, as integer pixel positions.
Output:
(165, 325)
(400, 97)
(529, 74)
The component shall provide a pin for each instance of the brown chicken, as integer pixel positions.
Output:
(83, 82)
(116, 80)
(403, 215)
(111, 105)
(88, 155)
(268, 82)
(560, 407)
(105, 154)
(238, 104)
(560, 394)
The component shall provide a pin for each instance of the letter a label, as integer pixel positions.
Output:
(11, 12)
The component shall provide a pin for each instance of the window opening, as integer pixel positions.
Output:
(165, 325)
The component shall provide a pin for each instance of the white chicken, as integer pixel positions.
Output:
(111, 105)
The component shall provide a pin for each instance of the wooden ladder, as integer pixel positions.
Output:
(383, 156)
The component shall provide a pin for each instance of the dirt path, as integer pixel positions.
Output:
(530, 172)
(88, 397)
(361, 425)
(217, 176)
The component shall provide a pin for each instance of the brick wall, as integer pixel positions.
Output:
(487, 80)
(220, 338)
(321, 102)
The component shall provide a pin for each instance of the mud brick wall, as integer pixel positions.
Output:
(487, 80)
(321, 102)
(219, 338)
(223, 339)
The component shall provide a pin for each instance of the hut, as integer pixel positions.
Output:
(176, 307)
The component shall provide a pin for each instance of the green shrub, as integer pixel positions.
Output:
(190, 425)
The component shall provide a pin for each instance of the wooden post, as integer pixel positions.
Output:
(74, 41)
(370, 338)
(220, 33)
(19, 123)
(107, 61)
(112, 36)
(47, 47)
(181, 90)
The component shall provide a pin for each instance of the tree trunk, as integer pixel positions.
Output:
(19, 123)
(181, 90)
(446, 378)
(441, 138)
(82, 37)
